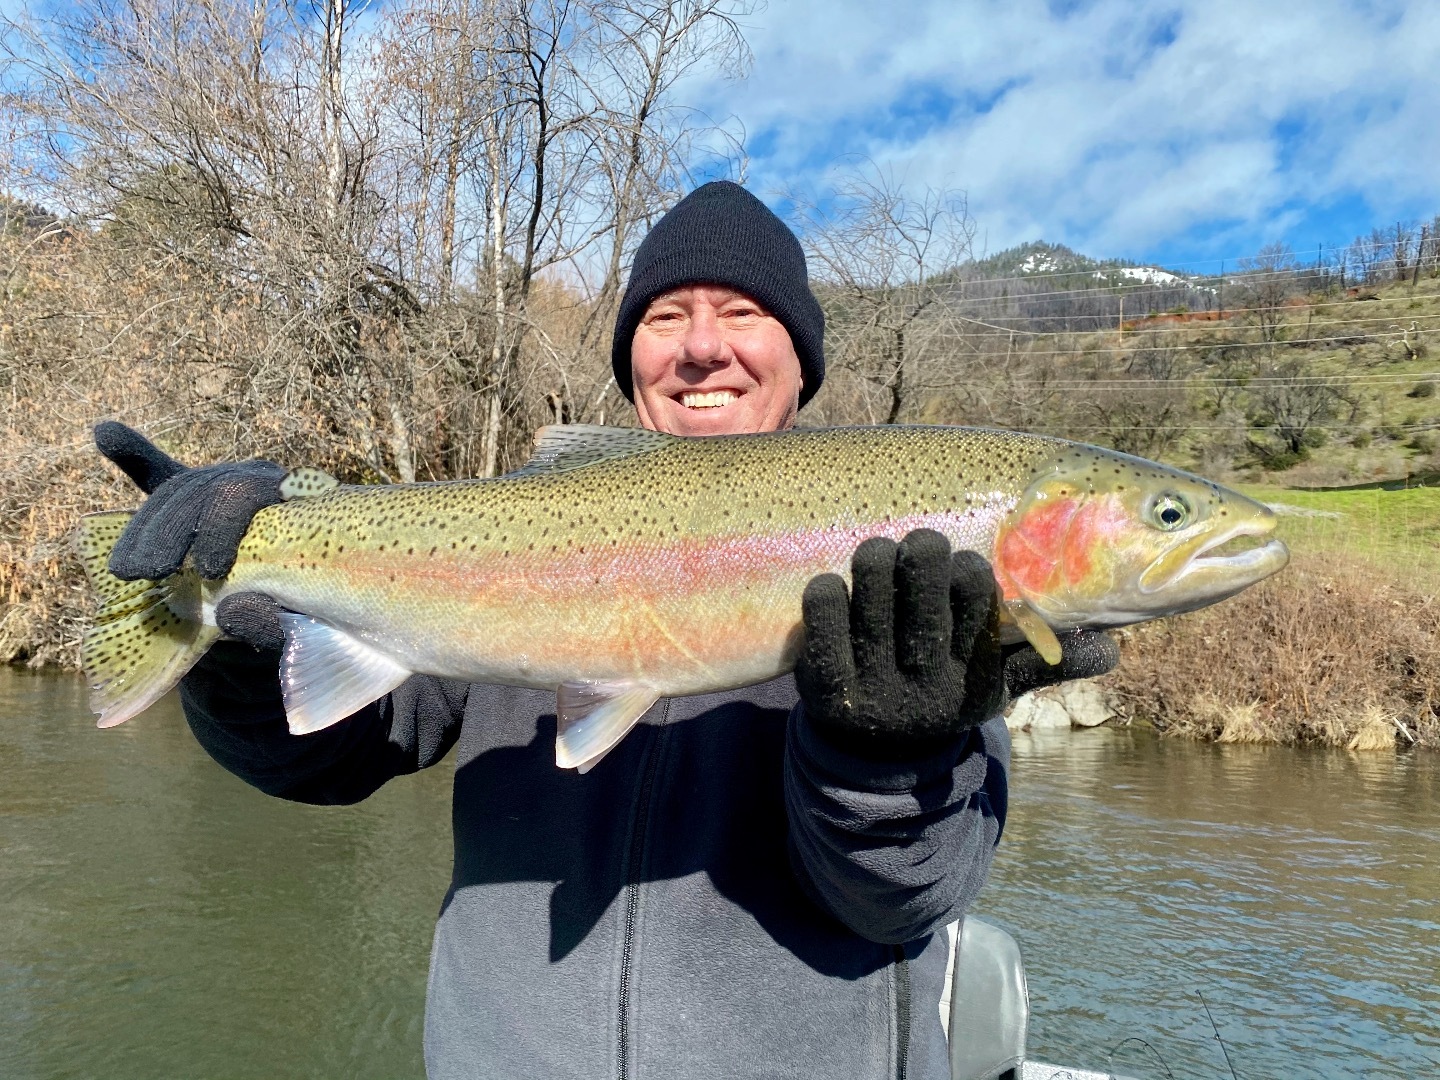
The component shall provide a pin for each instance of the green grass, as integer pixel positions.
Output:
(1395, 528)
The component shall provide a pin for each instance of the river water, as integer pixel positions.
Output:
(161, 919)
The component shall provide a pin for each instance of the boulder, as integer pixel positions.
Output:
(1073, 704)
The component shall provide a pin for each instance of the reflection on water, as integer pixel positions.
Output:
(1297, 890)
(164, 920)
(161, 919)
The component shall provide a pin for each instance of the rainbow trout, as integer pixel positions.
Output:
(620, 566)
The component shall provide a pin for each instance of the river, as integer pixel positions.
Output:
(162, 919)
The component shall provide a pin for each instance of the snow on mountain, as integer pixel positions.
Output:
(1147, 275)
(1038, 263)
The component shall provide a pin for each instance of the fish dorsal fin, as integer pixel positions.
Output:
(562, 447)
(304, 482)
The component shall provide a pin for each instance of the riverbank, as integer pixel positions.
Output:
(1333, 651)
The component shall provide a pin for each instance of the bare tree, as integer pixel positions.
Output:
(877, 251)
(1292, 407)
(1266, 285)
(389, 200)
(1401, 237)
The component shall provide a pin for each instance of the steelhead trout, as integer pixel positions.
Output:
(620, 565)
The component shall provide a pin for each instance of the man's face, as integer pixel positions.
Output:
(709, 360)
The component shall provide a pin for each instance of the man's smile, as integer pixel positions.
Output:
(711, 399)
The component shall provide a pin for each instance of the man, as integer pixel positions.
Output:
(751, 882)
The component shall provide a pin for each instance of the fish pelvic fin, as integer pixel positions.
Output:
(1036, 630)
(147, 634)
(593, 717)
(327, 674)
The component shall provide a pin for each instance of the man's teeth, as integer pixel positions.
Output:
(713, 400)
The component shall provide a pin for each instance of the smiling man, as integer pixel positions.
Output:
(753, 883)
(710, 360)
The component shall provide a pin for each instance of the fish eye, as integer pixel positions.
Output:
(1170, 512)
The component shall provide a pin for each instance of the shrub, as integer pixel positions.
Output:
(1330, 651)
(1422, 442)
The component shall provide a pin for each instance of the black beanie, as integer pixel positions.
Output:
(720, 234)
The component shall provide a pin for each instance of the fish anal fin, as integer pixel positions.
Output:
(326, 674)
(593, 717)
(1036, 630)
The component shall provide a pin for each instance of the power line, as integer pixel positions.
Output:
(1193, 324)
(1202, 380)
(1199, 347)
(1101, 289)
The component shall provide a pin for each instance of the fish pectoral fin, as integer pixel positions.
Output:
(1036, 630)
(325, 674)
(593, 717)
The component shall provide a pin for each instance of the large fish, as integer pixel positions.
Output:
(619, 565)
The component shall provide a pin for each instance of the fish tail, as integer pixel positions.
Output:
(147, 634)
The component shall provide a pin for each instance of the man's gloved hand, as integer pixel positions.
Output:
(911, 658)
(202, 512)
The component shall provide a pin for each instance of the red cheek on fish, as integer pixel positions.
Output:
(1096, 530)
(1028, 555)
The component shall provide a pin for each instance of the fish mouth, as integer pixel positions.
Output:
(1203, 565)
(1251, 564)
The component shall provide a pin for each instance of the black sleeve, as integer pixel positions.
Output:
(895, 850)
(233, 703)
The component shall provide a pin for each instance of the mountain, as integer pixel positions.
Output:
(1040, 258)
(1036, 257)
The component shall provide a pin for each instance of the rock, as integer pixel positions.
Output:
(1073, 704)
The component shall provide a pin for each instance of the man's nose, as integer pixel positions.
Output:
(703, 341)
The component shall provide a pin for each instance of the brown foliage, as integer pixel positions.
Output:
(1331, 651)
(93, 327)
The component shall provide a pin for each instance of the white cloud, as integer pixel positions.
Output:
(1116, 127)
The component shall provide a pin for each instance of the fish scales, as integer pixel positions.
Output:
(671, 565)
(622, 565)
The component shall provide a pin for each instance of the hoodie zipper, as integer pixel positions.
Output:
(632, 905)
(902, 1012)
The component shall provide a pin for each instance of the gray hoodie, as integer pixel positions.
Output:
(726, 894)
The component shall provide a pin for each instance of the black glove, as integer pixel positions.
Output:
(912, 660)
(203, 512)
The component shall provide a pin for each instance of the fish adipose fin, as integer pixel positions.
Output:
(1036, 630)
(147, 634)
(325, 674)
(593, 717)
(562, 447)
(305, 483)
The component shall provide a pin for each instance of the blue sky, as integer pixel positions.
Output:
(1164, 132)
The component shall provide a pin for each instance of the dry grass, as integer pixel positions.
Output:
(1332, 651)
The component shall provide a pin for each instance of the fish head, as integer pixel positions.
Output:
(1105, 539)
